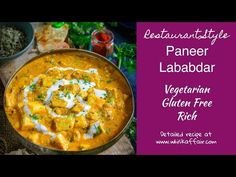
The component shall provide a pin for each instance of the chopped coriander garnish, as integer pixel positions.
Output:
(86, 82)
(109, 81)
(98, 130)
(104, 95)
(32, 87)
(34, 116)
(40, 97)
(68, 95)
(86, 78)
(66, 91)
(110, 98)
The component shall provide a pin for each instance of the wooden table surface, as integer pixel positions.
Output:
(122, 147)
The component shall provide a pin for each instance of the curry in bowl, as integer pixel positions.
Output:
(70, 101)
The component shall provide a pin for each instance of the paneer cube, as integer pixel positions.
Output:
(83, 94)
(77, 108)
(81, 122)
(68, 74)
(61, 142)
(41, 91)
(37, 107)
(76, 135)
(121, 101)
(11, 97)
(95, 78)
(47, 82)
(26, 123)
(34, 137)
(77, 74)
(20, 104)
(100, 102)
(91, 99)
(57, 102)
(107, 111)
(55, 73)
(63, 124)
(60, 111)
(93, 115)
(72, 88)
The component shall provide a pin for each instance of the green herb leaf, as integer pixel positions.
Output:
(111, 100)
(86, 79)
(98, 130)
(104, 95)
(80, 32)
(131, 132)
(126, 56)
(109, 81)
(32, 87)
(68, 95)
(34, 116)
(40, 97)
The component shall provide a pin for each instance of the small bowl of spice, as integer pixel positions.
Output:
(102, 42)
(15, 39)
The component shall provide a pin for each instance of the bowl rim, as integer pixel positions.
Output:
(50, 151)
(19, 53)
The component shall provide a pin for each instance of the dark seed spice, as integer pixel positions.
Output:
(12, 41)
